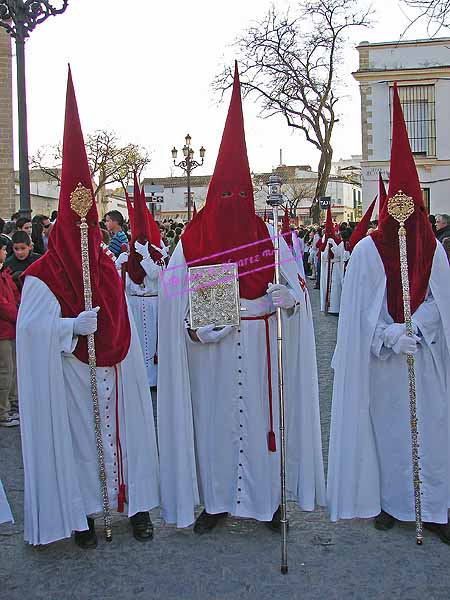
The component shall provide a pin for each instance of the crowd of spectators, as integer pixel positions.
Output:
(22, 241)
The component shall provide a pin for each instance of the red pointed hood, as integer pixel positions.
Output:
(145, 230)
(286, 229)
(382, 195)
(140, 232)
(60, 267)
(228, 221)
(130, 209)
(420, 240)
(155, 233)
(328, 232)
(361, 229)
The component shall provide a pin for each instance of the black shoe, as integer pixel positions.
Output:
(384, 521)
(206, 522)
(440, 529)
(87, 539)
(275, 523)
(142, 526)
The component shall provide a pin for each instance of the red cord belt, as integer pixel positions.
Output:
(271, 440)
(121, 496)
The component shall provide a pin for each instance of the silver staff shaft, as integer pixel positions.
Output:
(401, 207)
(283, 506)
(93, 375)
(412, 387)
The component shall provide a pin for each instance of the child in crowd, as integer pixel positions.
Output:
(9, 301)
(21, 258)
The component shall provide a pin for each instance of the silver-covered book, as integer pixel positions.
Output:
(214, 295)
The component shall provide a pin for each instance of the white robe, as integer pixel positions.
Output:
(5, 511)
(143, 301)
(213, 410)
(297, 251)
(337, 276)
(369, 465)
(58, 441)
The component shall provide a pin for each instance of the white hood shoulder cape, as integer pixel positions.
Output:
(178, 473)
(353, 485)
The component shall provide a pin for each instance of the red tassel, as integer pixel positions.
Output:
(155, 359)
(271, 441)
(121, 498)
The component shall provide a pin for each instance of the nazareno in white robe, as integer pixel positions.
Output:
(337, 276)
(213, 408)
(5, 511)
(143, 302)
(369, 463)
(57, 426)
(298, 253)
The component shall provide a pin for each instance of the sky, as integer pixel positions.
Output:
(144, 69)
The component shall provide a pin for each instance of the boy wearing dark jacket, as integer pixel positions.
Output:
(9, 301)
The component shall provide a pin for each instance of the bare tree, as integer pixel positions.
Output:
(109, 161)
(437, 13)
(290, 63)
(296, 190)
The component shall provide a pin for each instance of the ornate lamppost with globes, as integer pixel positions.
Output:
(19, 18)
(188, 165)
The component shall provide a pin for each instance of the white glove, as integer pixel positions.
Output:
(86, 322)
(142, 249)
(281, 296)
(207, 335)
(406, 344)
(392, 334)
(121, 260)
(162, 250)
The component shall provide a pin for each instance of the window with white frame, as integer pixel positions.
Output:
(418, 104)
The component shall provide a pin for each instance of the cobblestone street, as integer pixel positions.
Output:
(240, 559)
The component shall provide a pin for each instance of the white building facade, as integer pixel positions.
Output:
(344, 189)
(422, 71)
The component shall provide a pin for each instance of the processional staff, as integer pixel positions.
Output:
(81, 201)
(401, 207)
(275, 200)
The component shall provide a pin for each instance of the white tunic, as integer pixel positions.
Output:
(337, 275)
(58, 441)
(5, 511)
(389, 411)
(213, 400)
(370, 442)
(143, 301)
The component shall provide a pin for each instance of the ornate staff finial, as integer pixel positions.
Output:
(400, 207)
(81, 201)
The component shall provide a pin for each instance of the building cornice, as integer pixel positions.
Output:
(391, 75)
(420, 162)
(406, 43)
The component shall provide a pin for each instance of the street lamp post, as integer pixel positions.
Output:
(188, 165)
(19, 18)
